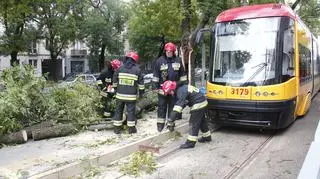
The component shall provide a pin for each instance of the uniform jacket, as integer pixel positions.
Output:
(168, 69)
(127, 80)
(191, 96)
(105, 78)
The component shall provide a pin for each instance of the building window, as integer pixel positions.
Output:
(33, 47)
(33, 62)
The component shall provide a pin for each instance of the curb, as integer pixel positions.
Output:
(79, 167)
(311, 165)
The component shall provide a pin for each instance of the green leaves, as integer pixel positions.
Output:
(309, 12)
(28, 100)
(139, 162)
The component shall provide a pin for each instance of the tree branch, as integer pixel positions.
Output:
(295, 4)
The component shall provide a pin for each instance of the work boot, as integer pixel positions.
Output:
(205, 139)
(132, 130)
(160, 126)
(117, 129)
(170, 126)
(179, 116)
(189, 144)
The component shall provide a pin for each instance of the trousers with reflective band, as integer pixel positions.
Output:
(198, 123)
(165, 106)
(131, 109)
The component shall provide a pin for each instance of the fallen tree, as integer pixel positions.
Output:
(101, 126)
(38, 126)
(58, 130)
(19, 137)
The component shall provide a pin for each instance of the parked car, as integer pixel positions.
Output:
(88, 79)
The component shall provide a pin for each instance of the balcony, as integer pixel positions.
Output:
(78, 53)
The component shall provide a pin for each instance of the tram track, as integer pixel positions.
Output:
(238, 168)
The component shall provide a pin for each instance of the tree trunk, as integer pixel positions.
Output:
(162, 43)
(19, 137)
(14, 58)
(59, 130)
(186, 31)
(101, 57)
(295, 4)
(38, 126)
(98, 127)
(148, 102)
(53, 69)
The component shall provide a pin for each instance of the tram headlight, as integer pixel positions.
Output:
(214, 92)
(258, 93)
(265, 94)
(220, 92)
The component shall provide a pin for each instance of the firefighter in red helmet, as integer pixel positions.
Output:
(167, 67)
(191, 96)
(104, 82)
(127, 82)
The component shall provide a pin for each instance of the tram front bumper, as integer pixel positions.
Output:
(254, 114)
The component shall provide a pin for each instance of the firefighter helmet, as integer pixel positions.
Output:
(115, 63)
(170, 47)
(133, 55)
(169, 86)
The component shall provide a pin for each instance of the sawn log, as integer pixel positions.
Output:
(59, 130)
(38, 126)
(19, 137)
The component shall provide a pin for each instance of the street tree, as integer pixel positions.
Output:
(15, 16)
(57, 22)
(102, 29)
(309, 12)
(151, 24)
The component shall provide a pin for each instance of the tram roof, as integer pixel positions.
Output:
(256, 11)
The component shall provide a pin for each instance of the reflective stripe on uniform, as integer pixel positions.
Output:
(192, 89)
(206, 134)
(131, 123)
(160, 120)
(177, 108)
(130, 97)
(99, 82)
(107, 114)
(155, 79)
(104, 94)
(141, 87)
(117, 123)
(108, 80)
(183, 78)
(160, 91)
(128, 76)
(199, 105)
(192, 138)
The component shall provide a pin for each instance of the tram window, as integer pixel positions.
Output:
(288, 52)
(305, 62)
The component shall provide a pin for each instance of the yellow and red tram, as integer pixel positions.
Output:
(264, 67)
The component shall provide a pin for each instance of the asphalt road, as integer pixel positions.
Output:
(238, 153)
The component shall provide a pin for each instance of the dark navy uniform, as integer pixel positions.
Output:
(166, 69)
(103, 81)
(127, 81)
(190, 95)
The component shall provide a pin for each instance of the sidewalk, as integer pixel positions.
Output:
(36, 157)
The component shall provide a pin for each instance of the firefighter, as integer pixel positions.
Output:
(167, 67)
(126, 82)
(190, 95)
(104, 82)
